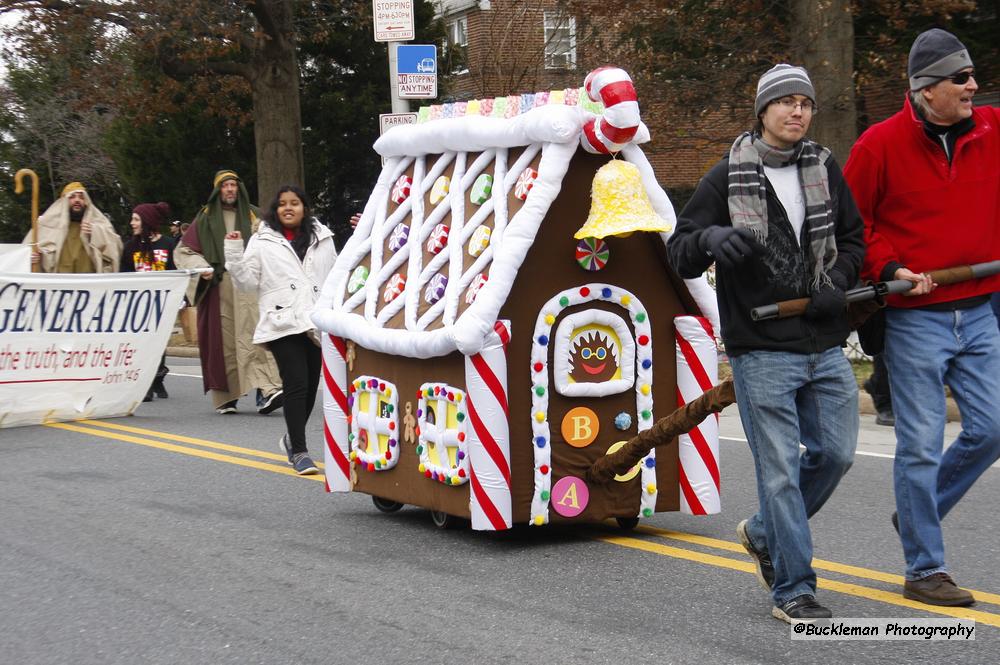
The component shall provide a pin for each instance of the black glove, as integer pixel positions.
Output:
(826, 302)
(729, 246)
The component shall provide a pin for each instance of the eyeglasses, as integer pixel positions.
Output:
(962, 78)
(790, 104)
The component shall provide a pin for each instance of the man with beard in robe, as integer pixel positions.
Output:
(75, 237)
(231, 363)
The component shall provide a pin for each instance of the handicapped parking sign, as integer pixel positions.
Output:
(416, 71)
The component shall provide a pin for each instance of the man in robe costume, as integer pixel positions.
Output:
(231, 363)
(75, 237)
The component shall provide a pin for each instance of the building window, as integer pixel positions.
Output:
(456, 46)
(560, 41)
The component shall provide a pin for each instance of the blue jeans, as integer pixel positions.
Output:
(784, 399)
(926, 350)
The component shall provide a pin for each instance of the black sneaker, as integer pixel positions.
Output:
(228, 407)
(885, 418)
(269, 403)
(895, 521)
(764, 569)
(303, 464)
(802, 608)
(159, 390)
(284, 447)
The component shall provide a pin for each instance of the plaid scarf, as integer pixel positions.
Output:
(748, 201)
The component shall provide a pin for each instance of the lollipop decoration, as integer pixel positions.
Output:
(524, 183)
(400, 234)
(401, 190)
(394, 287)
(438, 239)
(592, 254)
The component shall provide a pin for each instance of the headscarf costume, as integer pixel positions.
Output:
(206, 234)
(104, 245)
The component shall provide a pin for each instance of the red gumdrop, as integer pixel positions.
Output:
(584, 292)
(538, 367)
(544, 469)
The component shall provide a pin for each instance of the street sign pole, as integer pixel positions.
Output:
(398, 105)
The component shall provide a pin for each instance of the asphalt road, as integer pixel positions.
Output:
(180, 536)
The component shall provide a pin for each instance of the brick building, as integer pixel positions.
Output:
(502, 47)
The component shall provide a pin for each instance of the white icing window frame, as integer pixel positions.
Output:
(379, 390)
(561, 366)
(438, 433)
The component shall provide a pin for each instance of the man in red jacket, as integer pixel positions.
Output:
(927, 183)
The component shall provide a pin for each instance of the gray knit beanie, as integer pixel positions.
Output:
(935, 55)
(780, 81)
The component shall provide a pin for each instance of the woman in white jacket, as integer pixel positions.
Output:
(285, 263)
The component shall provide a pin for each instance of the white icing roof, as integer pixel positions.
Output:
(553, 130)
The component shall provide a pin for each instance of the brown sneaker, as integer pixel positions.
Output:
(937, 589)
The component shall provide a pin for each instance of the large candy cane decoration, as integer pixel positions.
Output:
(698, 453)
(338, 469)
(620, 121)
(489, 440)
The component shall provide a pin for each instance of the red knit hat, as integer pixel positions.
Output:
(153, 215)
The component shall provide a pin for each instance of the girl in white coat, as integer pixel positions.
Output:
(285, 263)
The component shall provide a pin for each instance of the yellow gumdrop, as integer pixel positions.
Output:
(644, 389)
(540, 416)
(626, 300)
(455, 480)
(549, 319)
(539, 520)
(458, 397)
(421, 468)
(651, 488)
(388, 392)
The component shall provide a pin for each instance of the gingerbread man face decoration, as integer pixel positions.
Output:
(593, 358)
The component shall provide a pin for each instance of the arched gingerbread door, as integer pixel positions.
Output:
(591, 391)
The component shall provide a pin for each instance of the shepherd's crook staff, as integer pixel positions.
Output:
(796, 307)
(18, 189)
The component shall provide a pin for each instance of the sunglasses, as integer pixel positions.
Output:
(961, 78)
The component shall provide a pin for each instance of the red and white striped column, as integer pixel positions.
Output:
(335, 411)
(489, 440)
(697, 372)
(618, 124)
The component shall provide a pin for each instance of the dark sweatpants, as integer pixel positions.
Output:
(299, 362)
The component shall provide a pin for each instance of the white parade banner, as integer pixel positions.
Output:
(15, 258)
(82, 346)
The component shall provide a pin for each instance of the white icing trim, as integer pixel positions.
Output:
(626, 355)
(553, 123)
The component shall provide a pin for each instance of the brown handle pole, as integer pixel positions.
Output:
(19, 188)
(954, 275)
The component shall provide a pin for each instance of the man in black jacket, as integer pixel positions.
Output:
(780, 223)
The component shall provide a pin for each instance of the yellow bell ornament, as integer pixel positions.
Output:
(619, 204)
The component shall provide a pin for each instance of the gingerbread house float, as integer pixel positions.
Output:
(478, 357)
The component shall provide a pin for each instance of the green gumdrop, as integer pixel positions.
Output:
(647, 512)
(545, 495)
(564, 301)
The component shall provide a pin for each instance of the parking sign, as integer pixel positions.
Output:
(416, 71)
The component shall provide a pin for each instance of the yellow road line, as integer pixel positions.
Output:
(860, 591)
(189, 439)
(194, 452)
(818, 564)
(857, 590)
